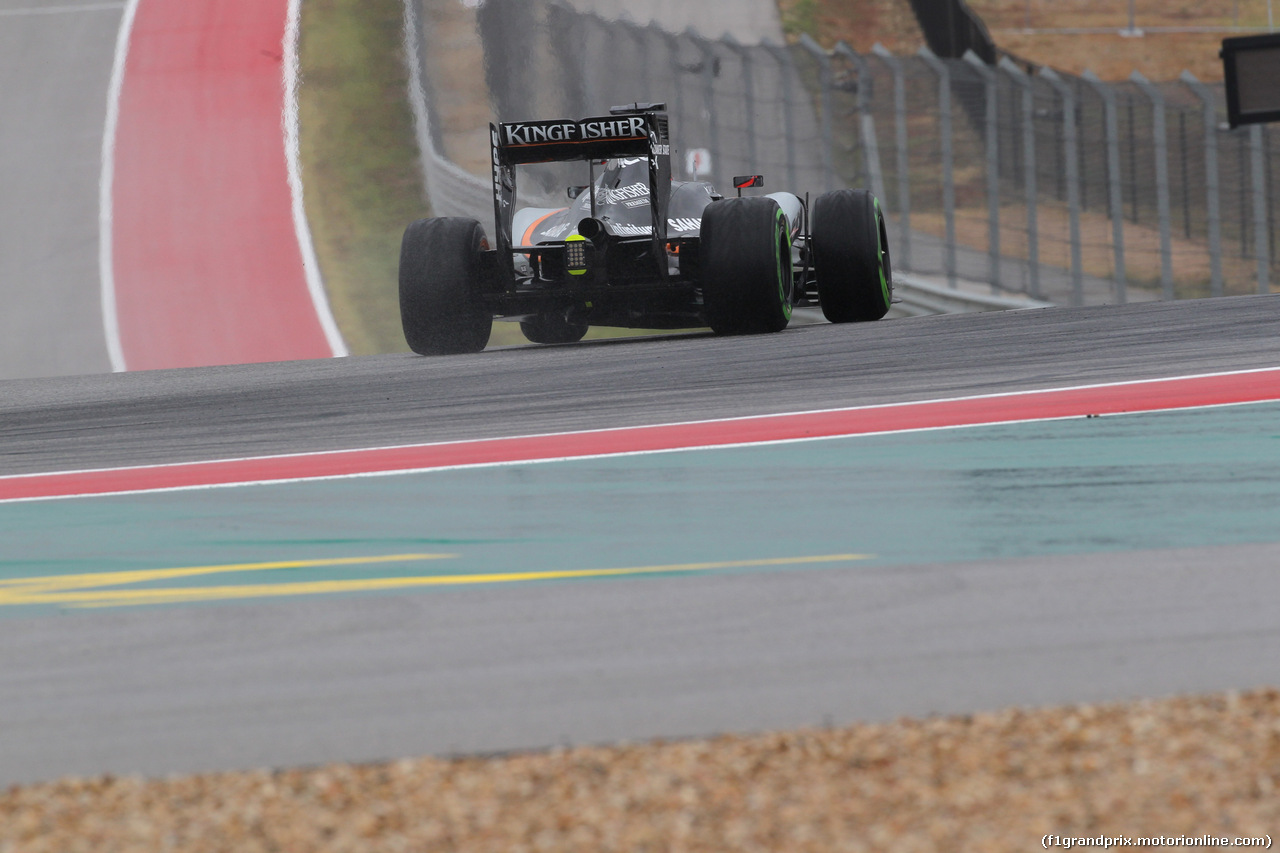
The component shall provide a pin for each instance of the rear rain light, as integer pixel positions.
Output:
(575, 254)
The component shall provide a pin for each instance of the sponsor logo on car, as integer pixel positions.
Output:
(657, 148)
(682, 224)
(497, 165)
(637, 190)
(556, 230)
(624, 230)
(545, 132)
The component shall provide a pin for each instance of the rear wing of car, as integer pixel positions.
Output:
(633, 130)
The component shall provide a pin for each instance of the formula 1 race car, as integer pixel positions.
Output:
(636, 249)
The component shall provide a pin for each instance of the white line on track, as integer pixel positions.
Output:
(310, 265)
(106, 184)
(627, 453)
(775, 415)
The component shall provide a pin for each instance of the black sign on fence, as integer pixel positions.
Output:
(1251, 69)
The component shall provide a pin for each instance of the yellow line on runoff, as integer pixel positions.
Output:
(99, 579)
(75, 590)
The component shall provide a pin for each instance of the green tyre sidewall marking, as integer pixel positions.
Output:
(851, 256)
(884, 282)
(780, 237)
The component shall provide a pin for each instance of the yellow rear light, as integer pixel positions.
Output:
(575, 254)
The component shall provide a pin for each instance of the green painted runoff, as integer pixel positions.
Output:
(1177, 479)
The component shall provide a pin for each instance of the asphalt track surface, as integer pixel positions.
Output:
(314, 679)
(68, 423)
(55, 62)
(749, 21)
(203, 262)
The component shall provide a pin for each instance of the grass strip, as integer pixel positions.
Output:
(359, 161)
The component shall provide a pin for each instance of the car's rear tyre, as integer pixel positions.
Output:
(851, 256)
(552, 329)
(746, 266)
(440, 276)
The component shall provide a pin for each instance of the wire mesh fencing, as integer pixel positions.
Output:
(1063, 188)
(1057, 186)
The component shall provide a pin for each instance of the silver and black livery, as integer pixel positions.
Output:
(635, 248)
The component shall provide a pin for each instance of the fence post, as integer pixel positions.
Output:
(825, 83)
(948, 178)
(903, 160)
(1212, 189)
(866, 121)
(1115, 187)
(748, 98)
(708, 71)
(992, 149)
(1161, 139)
(637, 35)
(567, 35)
(678, 124)
(1029, 170)
(1072, 156)
(784, 67)
(1261, 238)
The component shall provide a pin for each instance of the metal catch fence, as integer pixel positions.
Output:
(1062, 188)
(1074, 189)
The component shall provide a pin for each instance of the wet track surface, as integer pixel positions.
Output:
(55, 63)
(1021, 564)
(1080, 560)
(205, 413)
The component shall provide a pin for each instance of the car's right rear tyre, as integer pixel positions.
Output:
(745, 250)
(851, 256)
(441, 308)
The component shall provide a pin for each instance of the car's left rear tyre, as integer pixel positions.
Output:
(441, 308)
(552, 329)
(746, 266)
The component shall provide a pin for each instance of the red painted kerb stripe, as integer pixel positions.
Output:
(207, 264)
(1143, 396)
